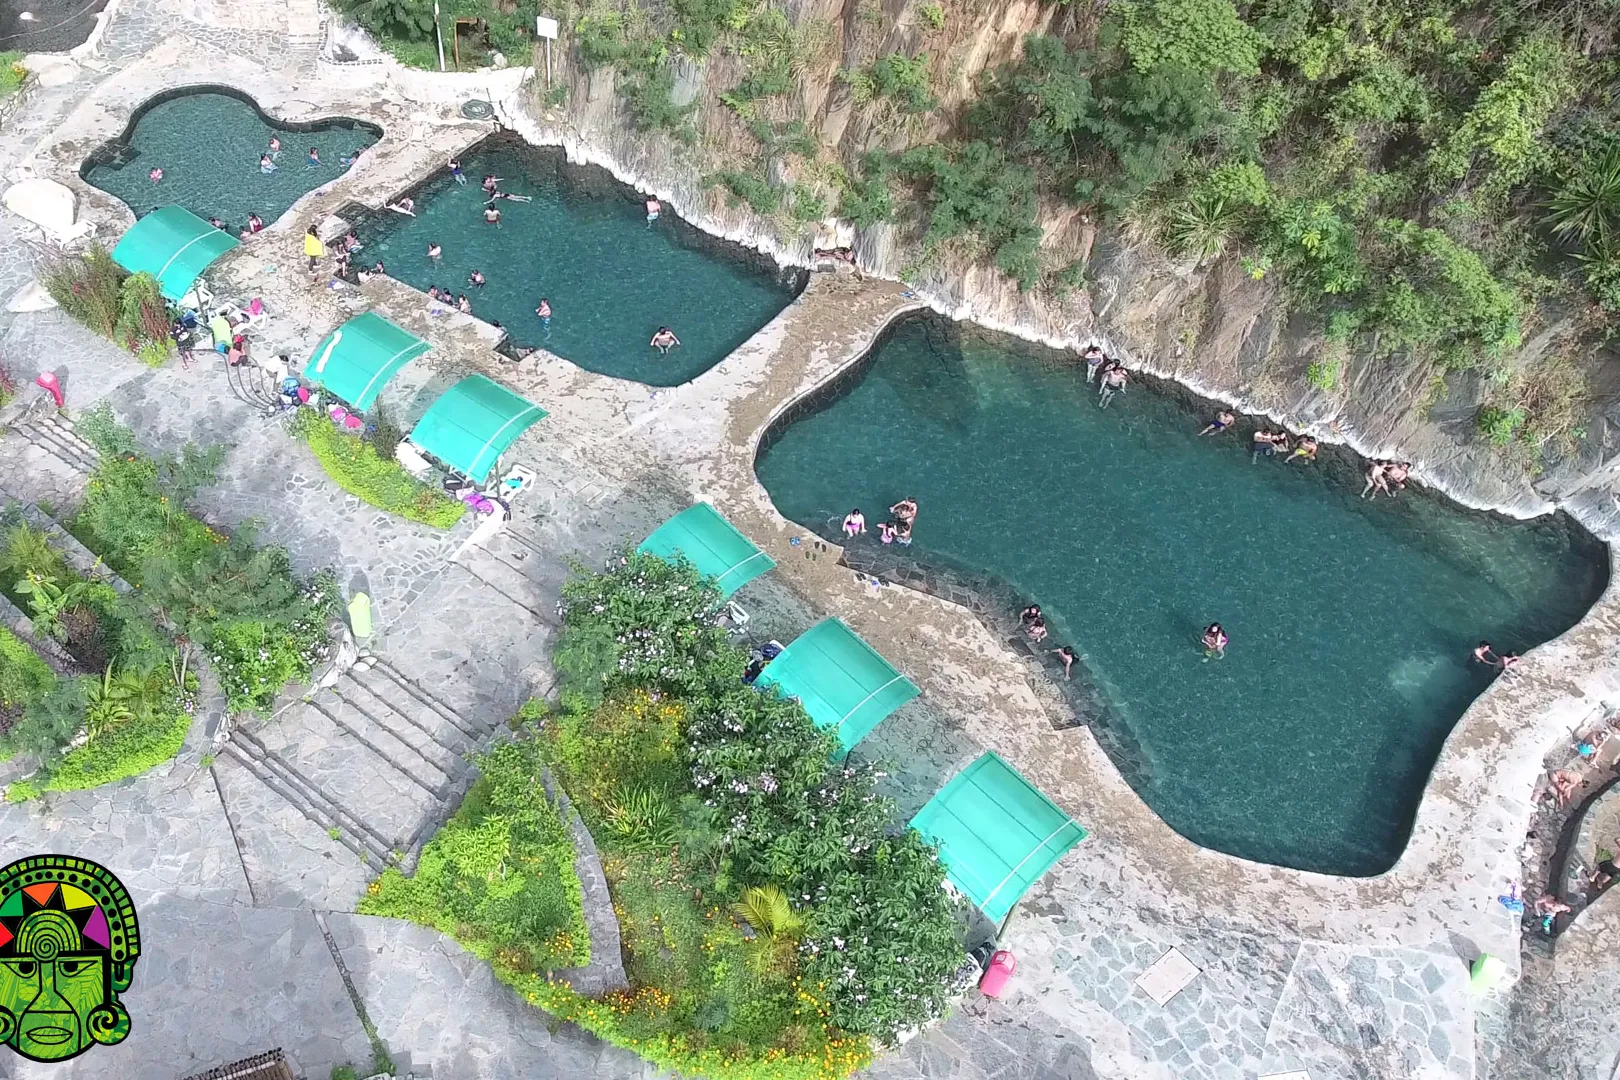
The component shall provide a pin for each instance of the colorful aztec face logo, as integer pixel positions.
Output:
(68, 946)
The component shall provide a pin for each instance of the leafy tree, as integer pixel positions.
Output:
(406, 20)
(1205, 36)
(973, 191)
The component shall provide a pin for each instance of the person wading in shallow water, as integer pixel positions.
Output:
(664, 340)
(1065, 654)
(1214, 642)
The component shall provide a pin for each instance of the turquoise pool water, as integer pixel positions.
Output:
(208, 146)
(1351, 621)
(583, 243)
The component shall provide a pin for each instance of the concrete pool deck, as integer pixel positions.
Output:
(1339, 976)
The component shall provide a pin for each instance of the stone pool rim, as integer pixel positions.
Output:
(354, 213)
(844, 378)
(107, 149)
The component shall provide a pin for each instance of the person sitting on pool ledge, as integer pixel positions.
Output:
(854, 523)
(1065, 654)
(1306, 450)
(1396, 473)
(1222, 421)
(265, 164)
(464, 304)
(492, 215)
(407, 205)
(1214, 642)
(1029, 614)
(1036, 629)
(664, 340)
(255, 223)
(476, 278)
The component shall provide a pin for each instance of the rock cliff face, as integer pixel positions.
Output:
(1211, 327)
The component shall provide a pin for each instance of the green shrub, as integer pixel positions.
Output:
(1324, 375)
(87, 288)
(747, 187)
(901, 79)
(12, 73)
(932, 15)
(499, 877)
(24, 677)
(125, 749)
(1501, 426)
(355, 466)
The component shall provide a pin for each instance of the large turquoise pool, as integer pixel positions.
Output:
(208, 141)
(1351, 621)
(584, 244)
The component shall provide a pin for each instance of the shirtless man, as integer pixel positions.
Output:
(1065, 654)
(1222, 421)
(1113, 382)
(1396, 473)
(905, 511)
(1375, 479)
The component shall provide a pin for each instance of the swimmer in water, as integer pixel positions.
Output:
(854, 523)
(156, 176)
(1222, 421)
(905, 511)
(314, 158)
(266, 165)
(1375, 480)
(216, 223)
(654, 208)
(464, 304)
(1214, 642)
(664, 340)
(902, 533)
(476, 278)
(455, 170)
(544, 311)
(489, 183)
(275, 146)
(886, 532)
(1094, 358)
(1305, 451)
(1065, 654)
(492, 215)
(434, 251)
(1113, 382)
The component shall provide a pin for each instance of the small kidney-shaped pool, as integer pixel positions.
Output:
(1351, 621)
(208, 141)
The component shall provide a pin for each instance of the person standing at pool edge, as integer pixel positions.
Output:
(653, 210)
(664, 340)
(314, 250)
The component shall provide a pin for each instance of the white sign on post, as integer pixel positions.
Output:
(546, 28)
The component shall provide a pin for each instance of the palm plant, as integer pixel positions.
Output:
(27, 551)
(1586, 209)
(116, 699)
(776, 927)
(1200, 226)
(642, 820)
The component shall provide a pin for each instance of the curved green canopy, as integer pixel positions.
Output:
(840, 680)
(997, 834)
(712, 544)
(173, 245)
(355, 361)
(471, 426)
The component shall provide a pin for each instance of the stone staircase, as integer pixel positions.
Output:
(52, 432)
(375, 760)
(305, 29)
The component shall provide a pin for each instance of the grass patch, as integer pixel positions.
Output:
(499, 876)
(128, 749)
(356, 467)
(12, 73)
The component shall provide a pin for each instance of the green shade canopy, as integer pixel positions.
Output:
(471, 426)
(355, 361)
(710, 543)
(997, 834)
(840, 680)
(173, 245)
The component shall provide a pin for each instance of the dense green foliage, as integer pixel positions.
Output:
(355, 465)
(129, 308)
(261, 625)
(499, 876)
(750, 794)
(12, 73)
(132, 712)
(405, 28)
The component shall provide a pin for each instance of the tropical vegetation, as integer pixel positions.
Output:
(775, 924)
